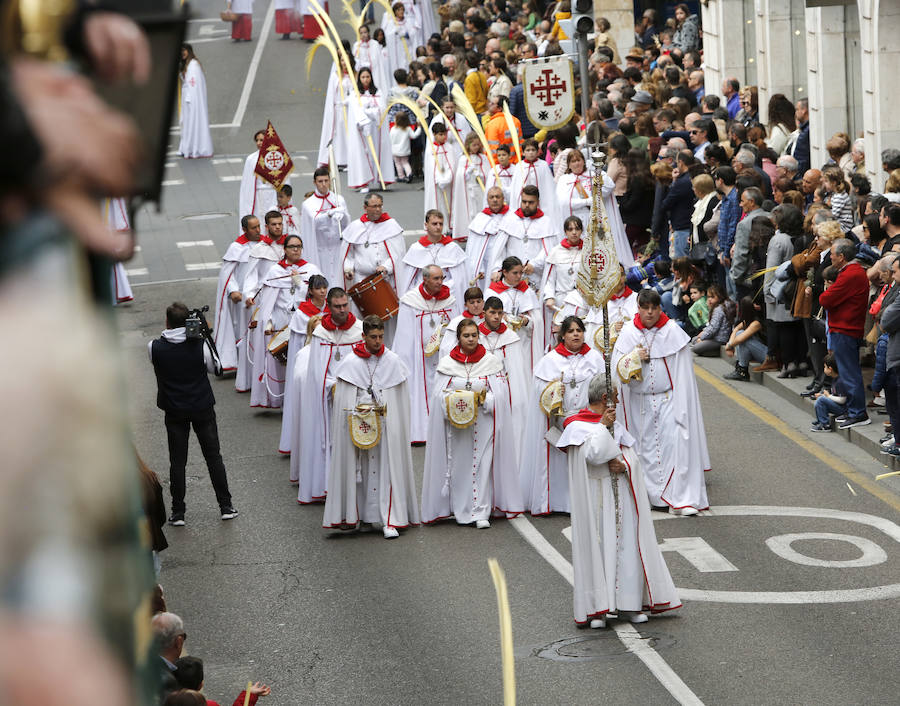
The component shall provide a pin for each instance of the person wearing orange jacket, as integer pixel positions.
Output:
(496, 129)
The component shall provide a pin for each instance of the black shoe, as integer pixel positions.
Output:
(858, 421)
(177, 519)
(812, 384)
(815, 389)
(229, 513)
(841, 418)
(740, 372)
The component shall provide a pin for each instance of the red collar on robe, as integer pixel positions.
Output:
(473, 357)
(384, 216)
(501, 212)
(242, 239)
(363, 352)
(321, 196)
(486, 331)
(268, 241)
(663, 320)
(583, 415)
(625, 293)
(310, 309)
(440, 296)
(425, 242)
(537, 214)
(501, 286)
(285, 264)
(565, 352)
(329, 324)
(472, 316)
(568, 246)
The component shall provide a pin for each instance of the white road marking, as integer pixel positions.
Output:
(695, 549)
(227, 160)
(207, 30)
(205, 40)
(413, 232)
(232, 177)
(203, 266)
(254, 66)
(872, 554)
(173, 182)
(193, 243)
(626, 633)
(137, 272)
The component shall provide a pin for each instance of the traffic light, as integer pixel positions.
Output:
(583, 16)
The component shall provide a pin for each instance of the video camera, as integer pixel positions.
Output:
(197, 328)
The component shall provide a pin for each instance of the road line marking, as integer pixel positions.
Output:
(227, 160)
(233, 177)
(203, 266)
(175, 281)
(823, 455)
(204, 40)
(626, 633)
(254, 66)
(204, 31)
(192, 243)
(137, 272)
(223, 125)
(172, 182)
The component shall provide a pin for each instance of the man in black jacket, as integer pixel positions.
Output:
(185, 395)
(679, 205)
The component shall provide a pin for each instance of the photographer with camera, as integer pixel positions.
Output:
(181, 358)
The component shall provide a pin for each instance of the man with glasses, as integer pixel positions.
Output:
(729, 215)
(699, 132)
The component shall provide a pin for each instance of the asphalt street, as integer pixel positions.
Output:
(790, 583)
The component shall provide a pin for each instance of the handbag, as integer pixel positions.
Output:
(228, 16)
(780, 289)
(704, 253)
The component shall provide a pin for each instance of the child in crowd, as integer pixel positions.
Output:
(403, 88)
(831, 403)
(721, 319)
(289, 214)
(837, 196)
(664, 279)
(401, 145)
(698, 311)
(745, 340)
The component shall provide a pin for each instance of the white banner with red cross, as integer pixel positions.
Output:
(549, 92)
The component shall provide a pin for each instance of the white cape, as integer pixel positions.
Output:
(479, 247)
(196, 139)
(229, 320)
(449, 257)
(469, 188)
(322, 219)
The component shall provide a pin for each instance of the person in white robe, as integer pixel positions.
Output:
(448, 116)
(533, 171)
(369, 142)
(424, 18)
(501, 341)
(569, 368)
(312, 306)
(268, 250)
(116, 213)
(283, 290)
(435, 248)
(374, 244)
(621, 308)
(439, 162)
(471, 469)
(231, 316)
(400, 33)
(323, 217)
(331, 342)
(522, 310)
(502, 175)
(367, 53)
(661, 407)
(196, 139)
(242, 29)
(370, 479)
(336, 119)
(469, 184)
(290, 218)
(309, 28)
(617, 564)
(473, 309)
(527, 233)
(561, 271)
(424, 312)
(480, 244)
(257, 196)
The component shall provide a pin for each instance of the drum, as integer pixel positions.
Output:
(374, 295)
(278, 345)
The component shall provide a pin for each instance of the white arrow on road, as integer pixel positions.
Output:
(695, 549)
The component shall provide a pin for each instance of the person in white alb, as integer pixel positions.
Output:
(117, 219)
(242, 29)
(257, 196)
(231, 316)
(323, 217)
(400, 34)
(617, 564)
(369, 158)
(440, 160)
(424, 311)
(448, 116)
(370, 479)
(331, 341)
(196, 139)
(533, 171)
(661, 407)
(482, 231)
(287, 20)
(528, 234)
(290, 216)
(522, 309)
(367, 53)
(435, 248)
(502, 174)
(562, 267)
(473, 309)
(471, 469)
(336, 119)
(469, 185)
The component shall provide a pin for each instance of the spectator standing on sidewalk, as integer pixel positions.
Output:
(890, 324)
(846, 302)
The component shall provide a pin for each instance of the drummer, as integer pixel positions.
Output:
(424, 312)
(435, 248)
(373, 244)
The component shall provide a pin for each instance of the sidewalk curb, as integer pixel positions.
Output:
(866, 438)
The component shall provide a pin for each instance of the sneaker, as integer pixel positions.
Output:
(390, 533)
(229, 513)
(879, 401)
(177, 519)
(886, 440)
(638, 618)
(598, 624)
(859, 421)
(739, 373)
(892, 450)
(482, 524)
(816, 426)
(841, 418)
